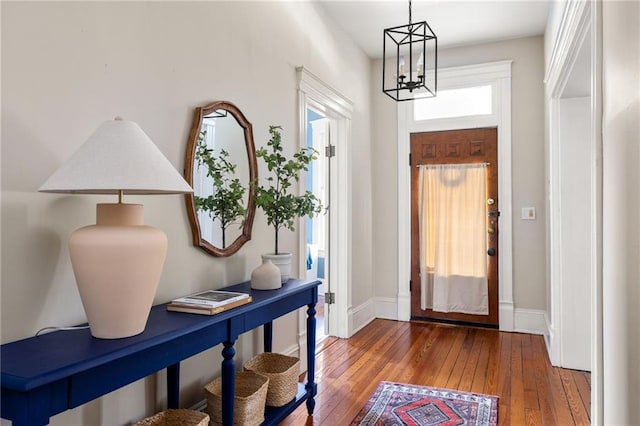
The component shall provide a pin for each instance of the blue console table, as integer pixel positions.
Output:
(45, 375)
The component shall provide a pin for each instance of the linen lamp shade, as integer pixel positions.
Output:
(118, 156)
(118, 261)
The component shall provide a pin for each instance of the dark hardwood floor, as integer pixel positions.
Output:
(513, 366)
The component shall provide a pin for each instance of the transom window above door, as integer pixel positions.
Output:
(463, 102)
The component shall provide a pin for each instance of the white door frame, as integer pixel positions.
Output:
(498, 75)
(579, 20)
(315, 93)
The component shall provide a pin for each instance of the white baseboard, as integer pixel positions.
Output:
(360, 316)
(519, 320)
(506, 316)
(530, 321)
(549, 340)
(386, 308)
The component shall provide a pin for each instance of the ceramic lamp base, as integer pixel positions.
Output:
(117, 264)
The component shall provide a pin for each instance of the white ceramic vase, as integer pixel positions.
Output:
(283, 262)
(266, 276)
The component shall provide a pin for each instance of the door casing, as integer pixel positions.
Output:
(313, 92)
(498, 75)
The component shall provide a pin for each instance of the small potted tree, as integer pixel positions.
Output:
(226, 202)
(281, 206)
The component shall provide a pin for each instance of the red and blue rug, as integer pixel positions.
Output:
(399, 404)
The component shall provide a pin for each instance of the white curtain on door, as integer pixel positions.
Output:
(453, 238)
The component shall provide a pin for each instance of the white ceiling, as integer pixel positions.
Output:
(454, 22)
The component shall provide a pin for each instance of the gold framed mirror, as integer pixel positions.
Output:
(220, 165)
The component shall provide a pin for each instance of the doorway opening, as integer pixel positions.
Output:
(326, 112)
(317, 235)
(573, 211)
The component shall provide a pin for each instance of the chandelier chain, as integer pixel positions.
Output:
(409, 12)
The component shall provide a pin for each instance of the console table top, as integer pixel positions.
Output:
(35, 361)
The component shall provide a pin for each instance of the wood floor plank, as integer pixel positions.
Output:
(513, 366)
(532, 417)
(573, 398)
(480, 375)
(434, 356)
(517, 387)
(448, 364)
(541, 368)
(561, 404)
(504, 380)
(584, 388)
(458, 368)
(493, 364)
(472, 362)
(531, 402)
(424, 358)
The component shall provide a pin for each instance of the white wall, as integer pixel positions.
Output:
(529, 262)
(575, 219)
(67, 67)
(621, 201)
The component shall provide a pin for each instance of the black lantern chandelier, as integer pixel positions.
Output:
(412, 72)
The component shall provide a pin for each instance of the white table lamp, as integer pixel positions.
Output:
(118, 261)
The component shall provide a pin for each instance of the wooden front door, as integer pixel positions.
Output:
(457, 147)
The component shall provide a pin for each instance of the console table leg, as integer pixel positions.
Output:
(268, 336)
(228, 383)
(173, 386)
(311, 386)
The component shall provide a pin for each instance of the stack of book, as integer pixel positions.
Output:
(209, 302)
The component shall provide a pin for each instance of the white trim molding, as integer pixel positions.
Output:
(575, 20)
(532, 321)
(386, 307)
(498, 75)
(581, 23)
(314, 92)
(361, 315)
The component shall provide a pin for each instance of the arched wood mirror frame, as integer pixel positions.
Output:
(190, 163)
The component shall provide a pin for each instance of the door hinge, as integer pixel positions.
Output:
(330, 151)
(410, 286)
(330, 298)
(409, 158)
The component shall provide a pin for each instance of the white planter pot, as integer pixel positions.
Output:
(283, 262)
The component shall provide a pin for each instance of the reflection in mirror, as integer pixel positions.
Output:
(220, 164)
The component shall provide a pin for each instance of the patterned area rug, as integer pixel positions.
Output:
(396, 404)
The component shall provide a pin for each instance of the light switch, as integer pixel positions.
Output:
(528, 213)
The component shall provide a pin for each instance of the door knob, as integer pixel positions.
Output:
(491, 252)
(491, 230)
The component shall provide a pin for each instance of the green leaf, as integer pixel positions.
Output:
(226, 204)
(280, 205)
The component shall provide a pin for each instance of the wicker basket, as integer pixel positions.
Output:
(282, 372)
(248, 402)
(176, 418)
